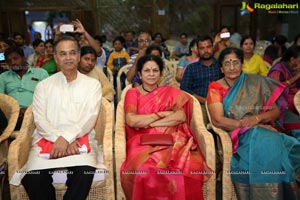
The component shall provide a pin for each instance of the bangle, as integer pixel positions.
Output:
(158, 115)
(257, 119)
(288, 82)
(240, 123)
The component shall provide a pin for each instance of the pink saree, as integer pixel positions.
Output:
(162, 172)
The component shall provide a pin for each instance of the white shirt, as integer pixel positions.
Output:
(64, 109)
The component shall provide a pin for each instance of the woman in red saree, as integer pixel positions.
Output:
(160, 172)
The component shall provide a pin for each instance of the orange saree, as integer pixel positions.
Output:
(162, 172)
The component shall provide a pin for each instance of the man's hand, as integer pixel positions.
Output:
(73, 148)
(59, 148)
(79, 27)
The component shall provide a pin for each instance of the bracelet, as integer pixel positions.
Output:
(240, 123)
(288, 82)
(158, 115)
(257, 119)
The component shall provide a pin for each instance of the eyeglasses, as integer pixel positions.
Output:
(142, 40)
(235, 63)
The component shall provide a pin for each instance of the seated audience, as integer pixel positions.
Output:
(253, 63)
(184, 61)
(159, 41)
(182, 48)
(166, 76)
(87, 66)
(288, 71)
(50, 64)
(144, 40)
(20, 42)
(198, 75)
(247, 106)
(222, 41)
(37, 59)
(276, 49)
(152, 110)
(20, 81)
(65, 109)
(130, 44)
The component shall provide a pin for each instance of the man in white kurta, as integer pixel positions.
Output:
(65, 108)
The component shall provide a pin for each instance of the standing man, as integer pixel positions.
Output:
(65, 108)
(197, 76)
(20, 81)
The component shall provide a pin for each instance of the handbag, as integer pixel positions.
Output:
(156, 139)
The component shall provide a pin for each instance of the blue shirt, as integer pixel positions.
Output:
(21, 89)
(197, 77)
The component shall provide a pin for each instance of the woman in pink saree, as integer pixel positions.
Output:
(160, 171)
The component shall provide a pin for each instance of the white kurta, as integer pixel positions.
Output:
(64, 109)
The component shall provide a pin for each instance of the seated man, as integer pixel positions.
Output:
(65, 108)
(20, 81)
(199, 75)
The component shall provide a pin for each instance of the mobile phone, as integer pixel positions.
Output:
(2, 58)
(66, 28)
(225, 35)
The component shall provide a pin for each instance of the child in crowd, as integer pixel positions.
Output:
(117, 59)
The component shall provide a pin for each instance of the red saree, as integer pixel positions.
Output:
(162, 172)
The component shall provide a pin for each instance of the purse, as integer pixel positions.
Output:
(156, 139)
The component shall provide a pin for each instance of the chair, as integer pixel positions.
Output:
(20, 147)
(172, 66)
(122, 70)
(10, 108)
(204, 139)
(297, 101)
(110, 75)
(268, 65)
(228, 191)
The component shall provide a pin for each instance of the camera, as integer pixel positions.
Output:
(66, 28)
(225, 35)
(2, 57)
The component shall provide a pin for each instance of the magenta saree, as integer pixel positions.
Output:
(162, 172)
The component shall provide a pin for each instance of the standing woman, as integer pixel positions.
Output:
(193, 56)
(253, 63)
(162, 172)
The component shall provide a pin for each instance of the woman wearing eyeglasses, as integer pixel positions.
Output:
(248, 106)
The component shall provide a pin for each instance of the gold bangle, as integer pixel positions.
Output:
(288, 82)
(257, 119)
(158, 115)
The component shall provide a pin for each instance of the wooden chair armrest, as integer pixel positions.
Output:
(108, 148)
(19, 149)
(120, 147)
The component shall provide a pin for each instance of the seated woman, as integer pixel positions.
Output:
(159, 171)
(288, 71)
(253, 63)
(87, 66)
(193, 56)
(247, 106)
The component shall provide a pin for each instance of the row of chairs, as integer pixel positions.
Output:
(113, 143)
(171, 66)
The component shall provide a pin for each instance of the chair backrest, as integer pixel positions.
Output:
(204, 138)
(297, 101)
(122, 70)
(110, 75)
(10, 107)
(261, 46)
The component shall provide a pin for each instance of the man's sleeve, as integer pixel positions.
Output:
(2, 84)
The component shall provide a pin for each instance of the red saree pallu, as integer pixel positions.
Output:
(162, 171)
